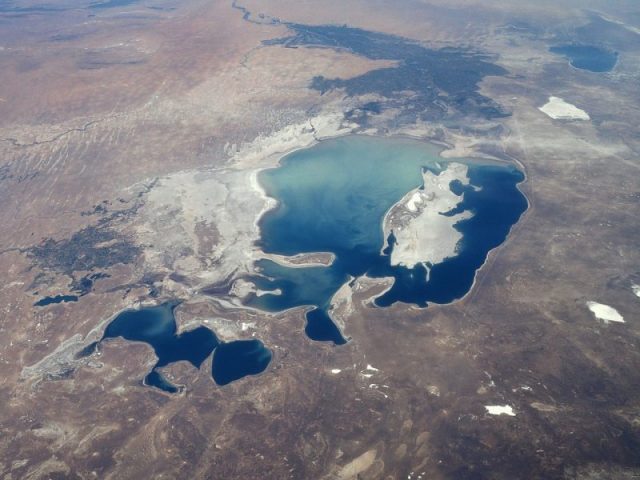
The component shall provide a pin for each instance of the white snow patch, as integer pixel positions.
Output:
(335, 371)
(558, 109)
(500, 410)
(371, 368)
(636, 289)
(605, 312)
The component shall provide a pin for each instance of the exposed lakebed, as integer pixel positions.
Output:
(333, 197)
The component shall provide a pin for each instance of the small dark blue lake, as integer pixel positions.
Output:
(156, 326)
(587, 57)
(333, 196)
(44, 301)
(234, 360)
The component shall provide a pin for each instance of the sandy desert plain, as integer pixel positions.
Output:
(132, 134)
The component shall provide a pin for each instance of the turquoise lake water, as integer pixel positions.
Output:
(333, 197)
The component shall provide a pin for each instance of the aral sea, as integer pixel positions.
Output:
(332, 197)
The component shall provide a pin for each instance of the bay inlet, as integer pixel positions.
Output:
(333, 197)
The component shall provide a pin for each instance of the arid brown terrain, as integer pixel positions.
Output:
(130, 137)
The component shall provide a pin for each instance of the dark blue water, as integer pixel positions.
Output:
(43, 302)
(496, 207)
(333, 196)
(234, 360)
(588, 57)
(156, 326)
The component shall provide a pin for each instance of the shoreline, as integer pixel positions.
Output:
(65, 352)
(325, 259)
(441, 147)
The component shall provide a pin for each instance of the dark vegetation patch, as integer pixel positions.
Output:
(428, 84)
(84, 285)
(91, 248)
(99, 209)
(148, 281)
(361, 114)
(94, 248)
